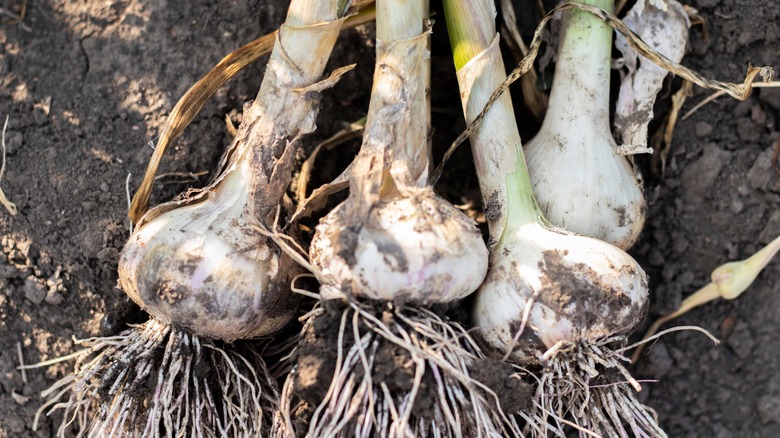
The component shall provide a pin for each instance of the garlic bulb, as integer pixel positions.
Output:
(579, 180)
(573, 289)
(204, 267)
(418, 248)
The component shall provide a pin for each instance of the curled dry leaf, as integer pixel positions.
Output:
(665, 29)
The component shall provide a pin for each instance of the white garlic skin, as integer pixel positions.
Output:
(203, 267)
(417, 249)
(581, 185)
(579, 181)
(583, 290)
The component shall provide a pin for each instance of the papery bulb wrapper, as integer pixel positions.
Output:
(582, 186)
(417, 249)
(205, 267)
(580, 290)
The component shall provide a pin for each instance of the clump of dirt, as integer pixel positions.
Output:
(578, 287)
(514, 395)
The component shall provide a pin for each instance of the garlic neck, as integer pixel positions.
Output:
(521, 204)
(580, 90)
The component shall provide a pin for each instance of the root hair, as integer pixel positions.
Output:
(439, 353)
(154, 380)
(588, 388)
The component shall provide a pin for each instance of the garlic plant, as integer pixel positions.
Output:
(206, 270)
(391, 250)
(552, 301)
(394, 239)
(581, 182)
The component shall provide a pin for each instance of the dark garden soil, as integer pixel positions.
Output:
(87, 84)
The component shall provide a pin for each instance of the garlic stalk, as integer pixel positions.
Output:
(206, 271)
(551, 298)
(394, 239)
(580, 181)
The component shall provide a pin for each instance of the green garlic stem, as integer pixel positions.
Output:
(496, 145)
(471, 28)
(581, 84)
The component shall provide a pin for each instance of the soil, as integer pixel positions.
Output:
(86, 86)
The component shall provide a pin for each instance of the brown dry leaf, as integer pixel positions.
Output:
(318, 198)
(717, 94)
(662, 139)
(666, 31)
(351, 132)
(193, 101)
(697, 20)
(737, 91)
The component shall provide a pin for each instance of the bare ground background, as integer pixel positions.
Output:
(86, 85)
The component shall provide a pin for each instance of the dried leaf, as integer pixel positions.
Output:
(662, 139)
(353, 131)
(666, 31)
(193, 101)
(535, 100)
(319, 196)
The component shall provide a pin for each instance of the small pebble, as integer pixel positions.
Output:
(742, 342)
(768, 408)
(19, 398)
(685, 279)
(34, 291)
(700, 175)
(13, 142)
(659, 362)
(737, 206)
(54, 298)
(758, 115)
(655, 257)
(771, 229)
(747, 130)
(759, 174)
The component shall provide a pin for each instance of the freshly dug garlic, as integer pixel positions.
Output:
(202, 263)
(573, 288)
(417, 248)
(553, 300)
(394, 239)
(204, 267)
(580, 181)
